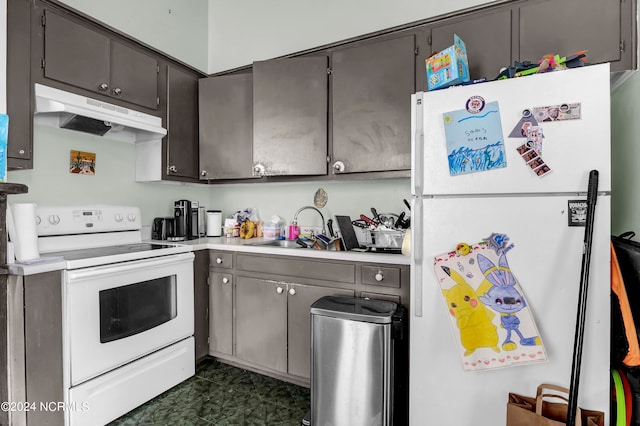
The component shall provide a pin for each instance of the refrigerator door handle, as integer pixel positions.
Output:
(417, 145)
(417, 254)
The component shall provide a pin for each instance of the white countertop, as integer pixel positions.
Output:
(231, 244)
(241, 245)
(46, 264)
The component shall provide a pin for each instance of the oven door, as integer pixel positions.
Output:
(121, 312)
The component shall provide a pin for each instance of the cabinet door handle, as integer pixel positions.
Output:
(258, 169)
(338, 166)
(117, 91)
(379, 276)
(103, 87)
(279, 290)
(225, 280)
(292, 291)
(219, 260)
(203, 173)
(173, 169)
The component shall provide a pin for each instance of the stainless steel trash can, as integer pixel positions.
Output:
(354, 346)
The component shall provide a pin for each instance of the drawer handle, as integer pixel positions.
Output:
(219, 260)
(379, 276)
(292, 291)
(225, 280)
(280, 290)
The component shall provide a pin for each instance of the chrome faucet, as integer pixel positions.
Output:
(295, 217)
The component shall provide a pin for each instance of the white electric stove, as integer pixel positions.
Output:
(128, 317)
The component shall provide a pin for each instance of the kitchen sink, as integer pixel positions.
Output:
(277, 243)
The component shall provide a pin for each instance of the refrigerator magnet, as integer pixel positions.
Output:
(520, 129)
(475, 104)
(560, 112)
(577, 212)
(534, 138)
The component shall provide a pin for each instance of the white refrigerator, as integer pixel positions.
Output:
(531, 206)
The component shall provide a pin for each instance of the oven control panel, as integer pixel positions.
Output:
(68, 220)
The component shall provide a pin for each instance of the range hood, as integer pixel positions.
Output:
(54, 107)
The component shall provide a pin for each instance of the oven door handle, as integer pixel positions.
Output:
(106, 270)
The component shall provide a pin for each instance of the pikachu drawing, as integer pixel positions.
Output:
(473, 319)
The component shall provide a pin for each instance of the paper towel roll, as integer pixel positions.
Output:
(21, 224)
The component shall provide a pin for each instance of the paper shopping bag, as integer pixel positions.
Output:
(540, 411)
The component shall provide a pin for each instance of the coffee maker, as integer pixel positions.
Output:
(197, 220)
(183, 219)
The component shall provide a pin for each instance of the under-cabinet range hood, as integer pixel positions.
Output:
(66, 110)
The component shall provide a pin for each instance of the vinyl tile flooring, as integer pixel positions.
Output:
(220, 394)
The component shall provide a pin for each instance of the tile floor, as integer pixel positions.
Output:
(223, 395)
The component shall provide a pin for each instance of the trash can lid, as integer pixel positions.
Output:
(355, 308)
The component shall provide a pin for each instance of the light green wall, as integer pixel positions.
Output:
(625, 157)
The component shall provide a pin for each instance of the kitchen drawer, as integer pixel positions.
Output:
(219, 278)
(298, 267)
(220, 259)
(381, 276)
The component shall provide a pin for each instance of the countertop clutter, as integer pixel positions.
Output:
(254, 246)
(239, 245)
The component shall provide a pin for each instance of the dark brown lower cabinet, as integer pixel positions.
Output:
(260, 305)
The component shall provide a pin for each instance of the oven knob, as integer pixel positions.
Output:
(38, 220)
(131, 217)
(118, 217)
(54, 219)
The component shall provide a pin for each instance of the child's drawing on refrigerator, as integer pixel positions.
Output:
(488, 312)
(474, 138)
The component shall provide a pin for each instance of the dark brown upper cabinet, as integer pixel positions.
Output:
(77, 55)
(226, 126)
(371, 85)
(19, 86)
(290, 116)
(182, 124)
(601, 27)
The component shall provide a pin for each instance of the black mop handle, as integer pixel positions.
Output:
(592, 195)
